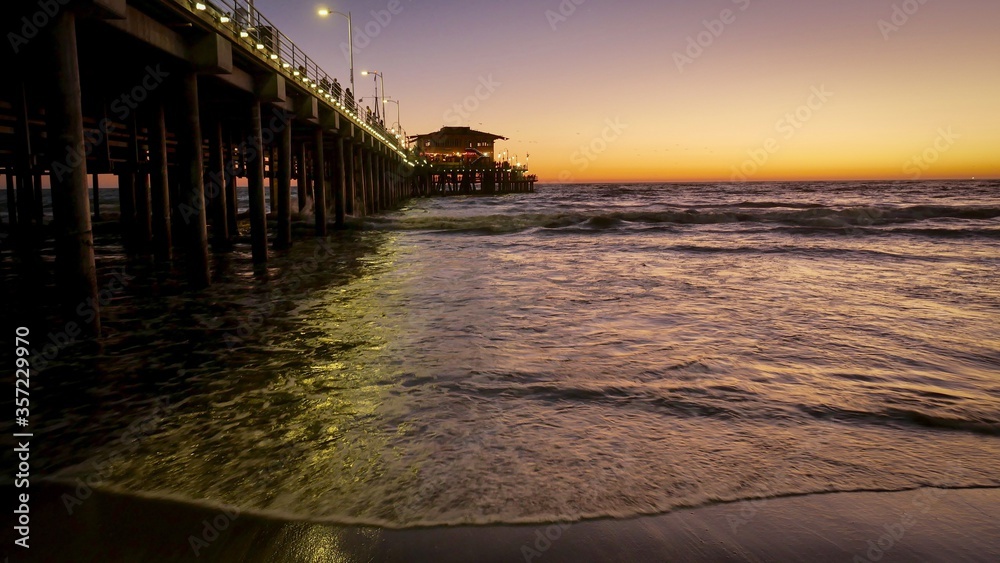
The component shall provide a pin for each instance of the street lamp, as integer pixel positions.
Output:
(392, 101)
(377, 76)
(324, 12)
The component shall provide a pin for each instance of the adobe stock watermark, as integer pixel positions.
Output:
(122, 107)
(786, 127)
(126, 445)
(213, 528)
(920, 163)
(714, 28)
(901, 14)
(461, 112)
(590, 152)
(892, 534)
(260, 307)
(747, 510)
(32, 25)
(543, 541)
(562, 13)
(363, 36)
(216, 179)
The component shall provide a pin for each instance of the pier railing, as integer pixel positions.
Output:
(247, 27)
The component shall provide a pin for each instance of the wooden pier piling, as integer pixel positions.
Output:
(302, 181)
(255, 186)
(191, 194)
(339, 181)
(361, 181)
(159, 183)
(283, 238)
(75, 264)
(215, 186)
(319, 183)
(232, 204)
(350, 179)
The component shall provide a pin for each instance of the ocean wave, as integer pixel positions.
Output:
(200, 509)
(765, 213)
(728, 402)
(906, 417)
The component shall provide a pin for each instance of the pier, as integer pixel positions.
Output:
(461, 160)
(182, 101)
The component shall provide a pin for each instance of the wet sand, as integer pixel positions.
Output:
(924, 524)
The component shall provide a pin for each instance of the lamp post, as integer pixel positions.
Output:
(377, 76)
(392, 101)
(324, 12)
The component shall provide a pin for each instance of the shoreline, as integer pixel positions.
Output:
(920, 524)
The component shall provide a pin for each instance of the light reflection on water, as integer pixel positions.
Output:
(446, 368)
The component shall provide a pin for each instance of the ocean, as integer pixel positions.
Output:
(583, 351)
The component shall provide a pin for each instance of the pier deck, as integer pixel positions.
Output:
(182, 100)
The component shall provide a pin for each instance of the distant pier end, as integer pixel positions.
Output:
(461, 160)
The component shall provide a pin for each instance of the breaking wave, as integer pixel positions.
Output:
(801, 216)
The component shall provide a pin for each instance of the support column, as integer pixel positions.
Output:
(319, 183)
(215, 188)
(284, 238)
(39, 200)
(76, 270)
(229, 167)
(159, 187)
(191, 194)
(143, 203)
(383, 184)
(339, 183)
(398, 170)
(390, 183)
(101, 152)
(272, 177)
(95, 180)
(360, 181)
(143, 220)
(255, 183)
(350, 190)
(174, 187)
(11, 200)
(25, 180)
(386, 193)
(126, 187)
(303, 179)
(374, 183)
(390, 175)
(390, 198)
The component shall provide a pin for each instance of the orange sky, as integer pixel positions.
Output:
(595, 93)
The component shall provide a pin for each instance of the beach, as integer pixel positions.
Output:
(921, 525)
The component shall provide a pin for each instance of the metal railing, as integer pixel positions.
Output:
(246, 26)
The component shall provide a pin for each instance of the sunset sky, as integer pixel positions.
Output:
(655, 90)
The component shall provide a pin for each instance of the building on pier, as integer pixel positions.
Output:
(452, 144)
(462, 160)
